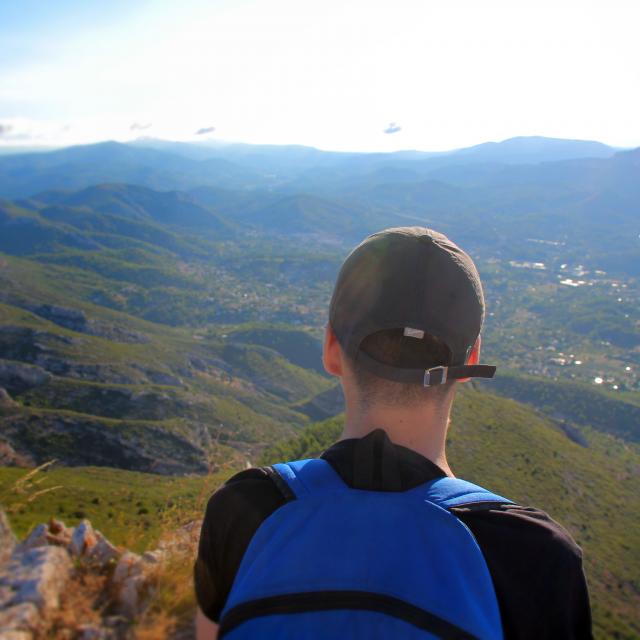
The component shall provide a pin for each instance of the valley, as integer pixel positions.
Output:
(162, 309)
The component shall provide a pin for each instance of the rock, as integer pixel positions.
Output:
(7, 539)
(73, 319)
(17, 377)
(58, 533)
(6, 401)
(129, 596)
(129, 565)
(153, 557)
(103, 551)
(9, 457)
(17, 635)
(37, 538)
(37, 576)
(93, 632)
(83, 539)
(17, 622)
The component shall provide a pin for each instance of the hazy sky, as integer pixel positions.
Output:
(425, 74)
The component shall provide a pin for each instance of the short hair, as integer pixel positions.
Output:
(392, 347)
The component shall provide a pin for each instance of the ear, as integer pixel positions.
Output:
(474, 356)
(331, 353)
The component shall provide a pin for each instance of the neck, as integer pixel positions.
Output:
(421, 428)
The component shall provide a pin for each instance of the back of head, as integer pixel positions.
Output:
(391, 347)
(407, 310)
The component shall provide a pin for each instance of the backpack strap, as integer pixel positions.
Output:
(305, 477)
(449, 492)
(316, 475)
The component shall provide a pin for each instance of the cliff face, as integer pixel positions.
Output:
(73, 583)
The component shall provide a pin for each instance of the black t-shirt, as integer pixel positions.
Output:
(535, 564)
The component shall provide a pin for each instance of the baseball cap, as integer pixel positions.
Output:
(417, 280)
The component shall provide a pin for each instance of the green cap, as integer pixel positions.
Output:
(415, 279)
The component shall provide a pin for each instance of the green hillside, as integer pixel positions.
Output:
(162, 309)
(593, 489)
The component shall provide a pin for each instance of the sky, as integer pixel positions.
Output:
(335, 74)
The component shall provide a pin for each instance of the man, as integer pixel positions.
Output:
(376, 538)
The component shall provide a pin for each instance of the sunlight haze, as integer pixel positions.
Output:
(336, 75)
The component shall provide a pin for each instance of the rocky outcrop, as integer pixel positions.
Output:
(77, 320)
(36, 574)
(17, 377)
(84, 441)
(7, 539)
(9, 457)
(73, 319)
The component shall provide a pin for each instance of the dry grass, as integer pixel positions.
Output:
(168, 604)
(84, 599)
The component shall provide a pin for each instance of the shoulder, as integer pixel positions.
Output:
(525, 527)
(249, 495)
(234, 513)
(536, 568)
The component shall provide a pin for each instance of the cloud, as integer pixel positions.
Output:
(5, 130)
(140, 126)
(10, 133)
(205, 130)
(393, 128)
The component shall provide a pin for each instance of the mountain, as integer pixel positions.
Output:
(533, 149)
(162, 310)
(132, 202)
(176, 165)
(107, 162)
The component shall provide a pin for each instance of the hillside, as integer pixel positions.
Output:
(162, 308)
(590, 484)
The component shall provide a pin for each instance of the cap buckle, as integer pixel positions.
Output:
(429, 372)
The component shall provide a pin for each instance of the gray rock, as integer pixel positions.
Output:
(17, 622)
(153, 557)
(17, 635)
(103, 551)
(36, 538)
(129, 565)
(7, 539)
(73, 319)
(37, 576)
(17, 377)
(83, 539)
(6, 401)
(93, 632)
(128, 598)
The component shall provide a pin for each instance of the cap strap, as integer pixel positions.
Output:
(429, 377)
(439, 375)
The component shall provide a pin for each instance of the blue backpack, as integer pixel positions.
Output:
(337, 562)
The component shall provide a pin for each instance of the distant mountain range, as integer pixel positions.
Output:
(495, 194)
(175, 165)
(161, 309)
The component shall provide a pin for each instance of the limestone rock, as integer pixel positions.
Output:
(36, 538)
(37, 576)
(103, 551)
(129, 596)
(17, 377)
(83, 539)
(17, 622)
(7, 539)
(129, 565)
(153, 557)
(6, 401)
(73, 319)
(58, 533)
(93, 632)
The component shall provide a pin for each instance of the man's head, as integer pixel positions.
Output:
(405, 318)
